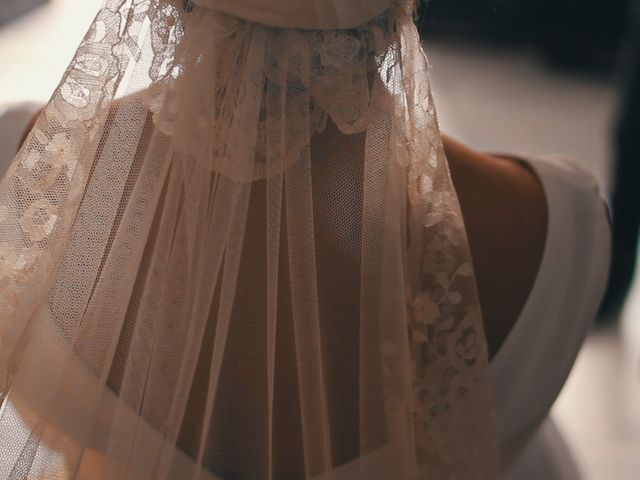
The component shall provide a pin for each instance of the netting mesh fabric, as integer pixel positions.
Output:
(233, 251)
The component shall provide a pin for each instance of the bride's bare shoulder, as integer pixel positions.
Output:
(505, 212)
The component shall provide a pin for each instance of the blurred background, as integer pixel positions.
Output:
(562, 76)
(530, 76)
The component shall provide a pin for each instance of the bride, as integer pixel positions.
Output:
(230, 247)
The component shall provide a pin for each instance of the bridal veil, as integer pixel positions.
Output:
(230, 249)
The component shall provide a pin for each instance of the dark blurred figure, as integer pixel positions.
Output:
(625, 204)
(575, 34)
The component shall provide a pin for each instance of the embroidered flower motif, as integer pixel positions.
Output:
(338, 49)
(64, 115)
(438, 256)
(446, 324)
(15, 266)
(454, 234)
(38, 220)
(8, 259)
(30, 161)
(26, 263)
(43, 168)
(75, 90)
(464, 270)
(59, 149)
(91, 64)
(59, 156)
(431, 219)
(424, 309)
(466, 346)
(454, 297)
(442, 202)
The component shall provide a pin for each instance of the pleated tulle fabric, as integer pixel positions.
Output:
(233, 251)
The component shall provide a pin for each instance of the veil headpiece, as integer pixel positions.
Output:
(230, 248)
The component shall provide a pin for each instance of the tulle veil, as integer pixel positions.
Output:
(232, 250)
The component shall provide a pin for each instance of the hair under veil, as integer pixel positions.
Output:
(231, 249)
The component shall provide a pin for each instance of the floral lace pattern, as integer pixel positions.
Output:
(244, 101)
(295, 79)
(37, 193)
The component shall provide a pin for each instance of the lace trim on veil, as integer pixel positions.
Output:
(242, 101)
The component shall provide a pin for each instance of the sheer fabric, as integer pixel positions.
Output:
(233, 251)
(307, 14)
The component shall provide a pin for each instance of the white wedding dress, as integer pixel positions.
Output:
(535, 359)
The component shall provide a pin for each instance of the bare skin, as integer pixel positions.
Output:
(505, 215)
